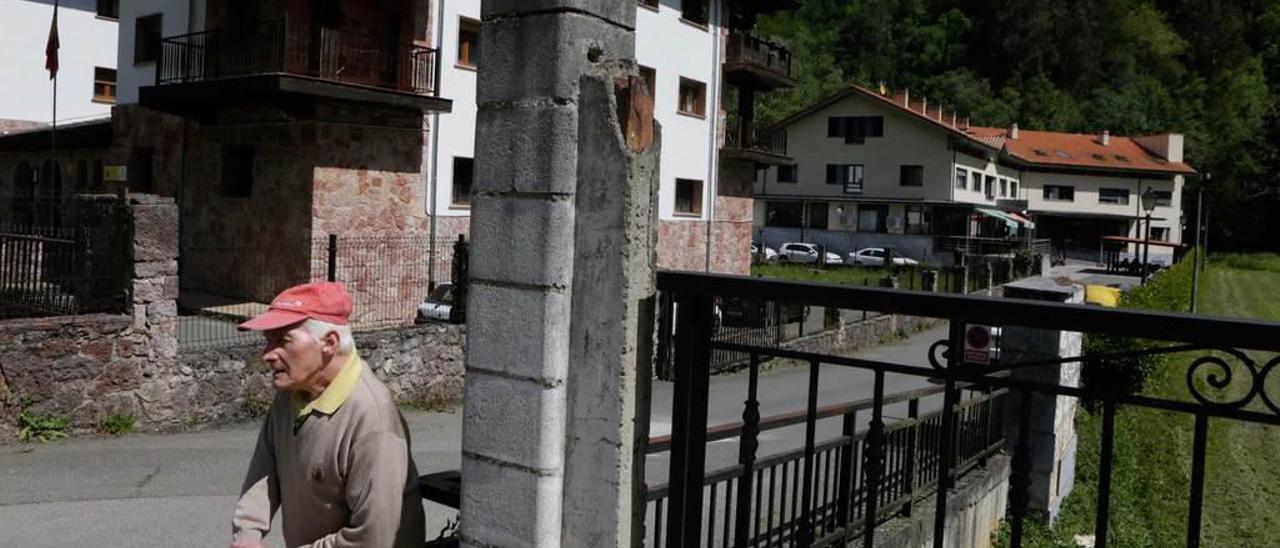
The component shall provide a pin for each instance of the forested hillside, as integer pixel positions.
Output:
(1207, 68)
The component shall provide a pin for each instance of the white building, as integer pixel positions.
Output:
(682, 48)
(86, 60)
(879, 170)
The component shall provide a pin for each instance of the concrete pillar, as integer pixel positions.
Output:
(561, 276)
(1052, 434)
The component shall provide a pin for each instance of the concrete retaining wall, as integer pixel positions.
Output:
(975, 507)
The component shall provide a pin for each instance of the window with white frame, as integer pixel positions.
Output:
(1116, 196)
(962, 178)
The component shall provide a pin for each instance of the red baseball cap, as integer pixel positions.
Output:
(324, 301)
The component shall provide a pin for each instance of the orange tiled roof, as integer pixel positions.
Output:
(1079, 150)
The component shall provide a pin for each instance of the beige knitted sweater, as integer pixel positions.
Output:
(343, 480)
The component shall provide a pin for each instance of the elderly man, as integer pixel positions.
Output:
(334, 450)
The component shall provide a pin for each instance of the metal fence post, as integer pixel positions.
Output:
(913, 443)
(333, 258)
(747, 456)
(693, 315)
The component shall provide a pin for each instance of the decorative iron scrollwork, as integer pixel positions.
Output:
(1219, 373)
(1271, 366)
(940, 354)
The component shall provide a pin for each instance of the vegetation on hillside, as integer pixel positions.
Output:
(1205, 68)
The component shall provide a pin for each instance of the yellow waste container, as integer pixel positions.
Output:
(1102, 295)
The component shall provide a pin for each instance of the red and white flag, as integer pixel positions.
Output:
(51, 47)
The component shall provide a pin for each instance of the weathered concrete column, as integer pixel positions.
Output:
(1052, 434)
(561, 272)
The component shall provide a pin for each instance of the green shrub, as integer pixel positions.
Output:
(39, 427)
(118, 425)
(1169, 290)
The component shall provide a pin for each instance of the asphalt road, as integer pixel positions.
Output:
(178, 490)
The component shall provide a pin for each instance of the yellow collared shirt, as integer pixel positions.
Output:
(336, 393)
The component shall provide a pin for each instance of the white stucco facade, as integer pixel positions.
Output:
(177, 17)
(87, 42)
(674, 48)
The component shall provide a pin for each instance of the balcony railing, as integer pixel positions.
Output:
(838, 490)
(768, 142)
(747, 49)
(285, 47)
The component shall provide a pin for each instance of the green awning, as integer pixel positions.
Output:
(1011, 223)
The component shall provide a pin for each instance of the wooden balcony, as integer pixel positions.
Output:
(749, 143)
(287, 63)
(755, 63)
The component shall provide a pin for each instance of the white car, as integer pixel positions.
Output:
(874, 256)
(805, 253)
(770, 254)
(438, 305)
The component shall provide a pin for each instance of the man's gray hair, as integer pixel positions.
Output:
(318, 329)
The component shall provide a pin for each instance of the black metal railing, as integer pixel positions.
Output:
(990, 246)
(1229, 371)
(73, 257)
(769, 489)
(223, 285)
(293, 46)
(752, 138)
(749, 49)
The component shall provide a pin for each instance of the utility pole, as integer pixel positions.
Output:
(1195, 268)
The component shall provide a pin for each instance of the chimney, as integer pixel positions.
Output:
(906, 98)
(966, 122)
(939, 113)
(953, 119)
(1106, 138)
(924, 105)
(1013, 131)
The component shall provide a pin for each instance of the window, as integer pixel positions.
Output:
(1059, 193)
(1160, 233)
(784, 214)
(146, 39)
(468, 42)
(688, 197)
(463, 173)
(871, 218)
(1118, 196)
(1004, 187)
(694, 11)
(911, 176)
(817, 215)
(918, 219)
(1013, 189)
(787, 174)
(237, 171)
(962, 178)
(855, 129)
(1164, 198)
(104, 85)
(848, 176)
(109, 9)
(693, 97)
(139, 169)
(991, 187)
(650, 77)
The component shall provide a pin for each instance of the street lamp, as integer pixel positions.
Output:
(1149, 205)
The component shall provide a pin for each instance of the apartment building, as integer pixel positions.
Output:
(694, 55)
(86, 59)
(874, 169)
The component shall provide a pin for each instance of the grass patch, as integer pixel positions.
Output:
(1152, 467)
(118, 425)
(848, 275)
(39, 427)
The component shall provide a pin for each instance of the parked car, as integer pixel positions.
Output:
(874, 256)
(437, 305)
(770, 254)
(805, 253)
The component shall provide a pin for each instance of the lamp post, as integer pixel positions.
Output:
(1148, 205)
(1195, 267)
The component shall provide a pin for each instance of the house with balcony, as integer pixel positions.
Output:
(704, 65)
(875, 169)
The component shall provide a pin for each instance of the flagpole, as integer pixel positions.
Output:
(53, 135)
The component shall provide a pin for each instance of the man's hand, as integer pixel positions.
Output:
(246, 544)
